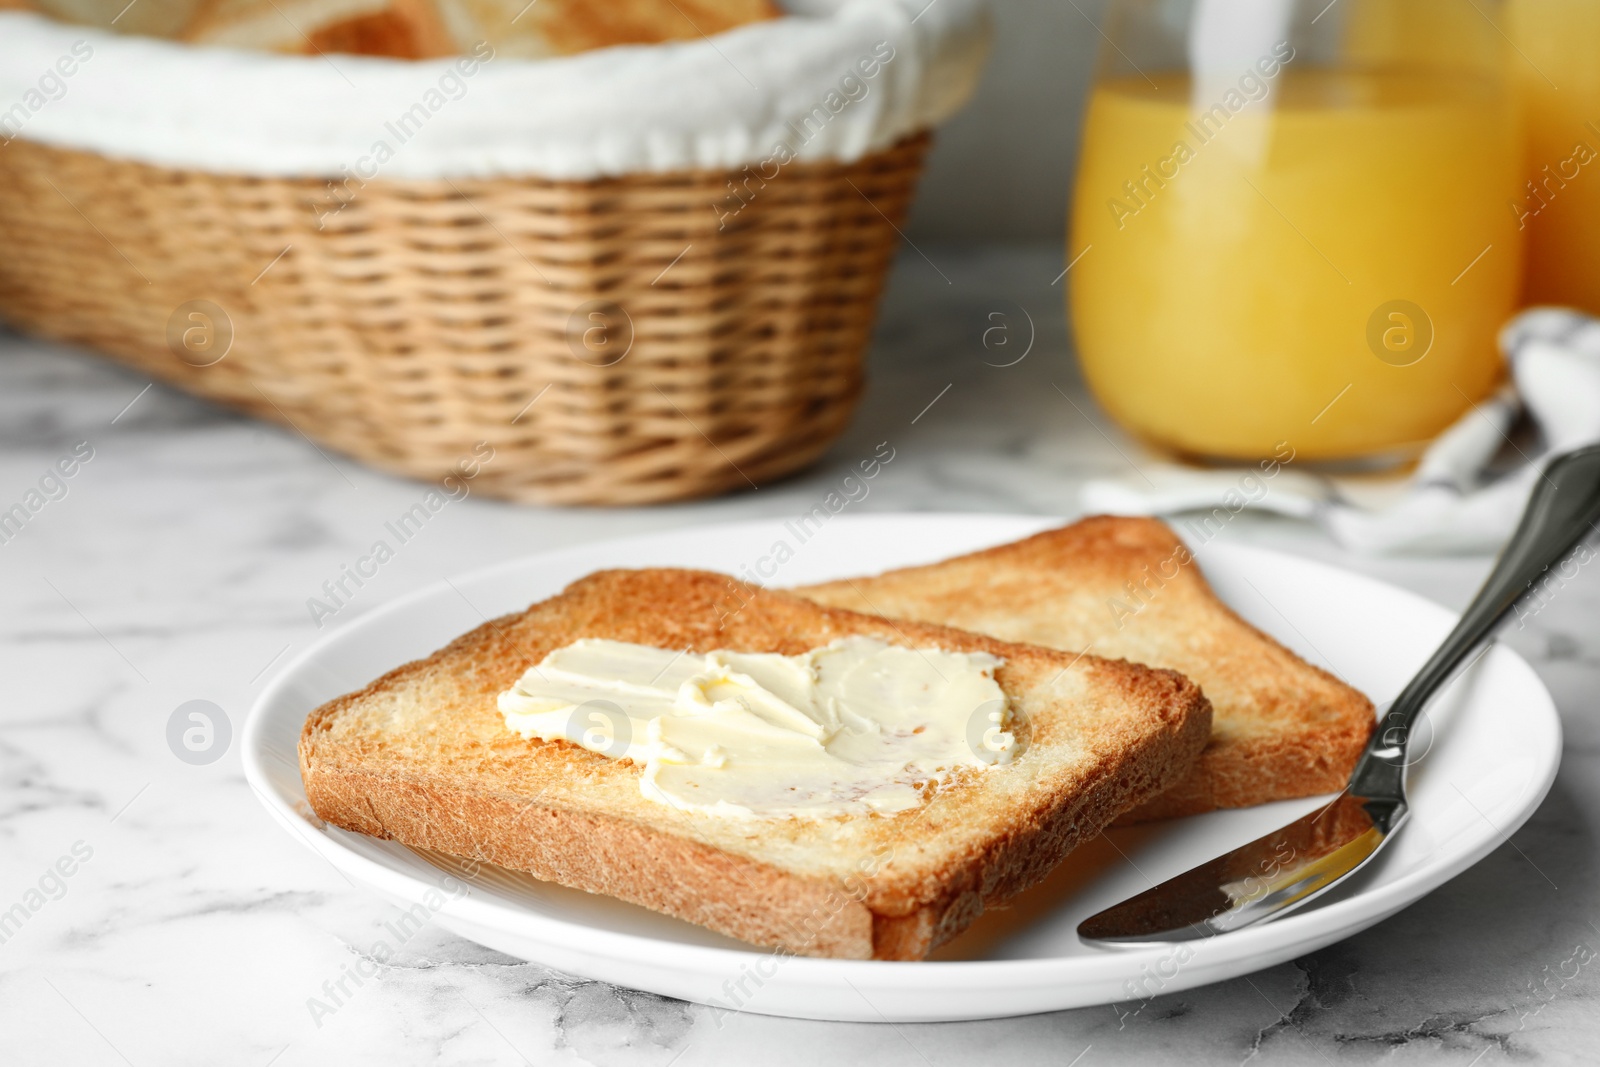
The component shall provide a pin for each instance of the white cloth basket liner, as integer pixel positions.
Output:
(796, 84)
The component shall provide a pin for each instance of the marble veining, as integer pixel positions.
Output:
(192, 930)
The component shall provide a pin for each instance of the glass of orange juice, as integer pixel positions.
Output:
(1557, 73)
(1290, 223)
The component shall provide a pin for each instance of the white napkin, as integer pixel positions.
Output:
(1451, 502)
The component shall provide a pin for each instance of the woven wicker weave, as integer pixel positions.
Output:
(426, 317)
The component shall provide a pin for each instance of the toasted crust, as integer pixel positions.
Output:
(414, 29)
(573, 26)
(401, 29)
(517, 29)
(422, 756)
(1128, 587)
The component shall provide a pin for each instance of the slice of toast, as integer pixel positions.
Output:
(523, 30)
(1129, 588)
(422, 755)
(400, 29)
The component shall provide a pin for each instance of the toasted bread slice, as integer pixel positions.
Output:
(400, 29)
(519, 29)
(422, 756)
(153, 18)
(1129, 588)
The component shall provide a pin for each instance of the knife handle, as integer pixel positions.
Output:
(1562, 510)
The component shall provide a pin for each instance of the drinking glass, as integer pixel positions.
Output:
(1290, 228)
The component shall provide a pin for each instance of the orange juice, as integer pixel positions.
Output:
(1558, 199)
(1326, 266)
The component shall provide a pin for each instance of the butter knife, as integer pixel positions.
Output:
(1288, 868)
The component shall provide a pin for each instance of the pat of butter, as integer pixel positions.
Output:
(855, 727)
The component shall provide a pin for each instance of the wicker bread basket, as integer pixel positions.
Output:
(616, 341)
(636, 274)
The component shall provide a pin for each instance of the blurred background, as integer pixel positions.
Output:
(1370, 193)
(1001, 169)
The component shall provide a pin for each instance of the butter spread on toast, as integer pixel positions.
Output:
(855, 727)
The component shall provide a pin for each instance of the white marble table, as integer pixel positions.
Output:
(192, 930)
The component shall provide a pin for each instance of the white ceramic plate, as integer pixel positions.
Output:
(1492, 758)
